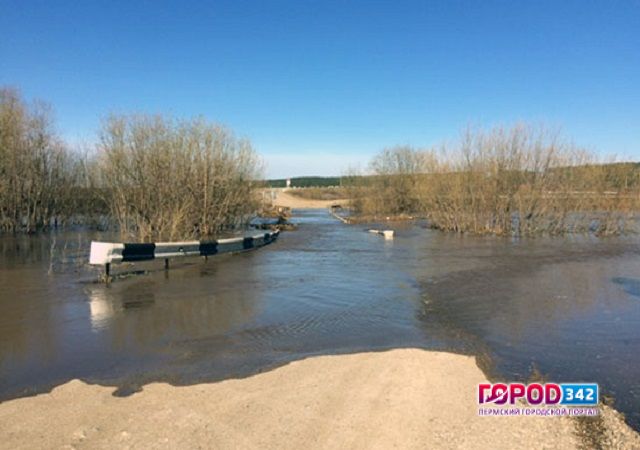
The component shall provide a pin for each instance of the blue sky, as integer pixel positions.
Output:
(318, 86)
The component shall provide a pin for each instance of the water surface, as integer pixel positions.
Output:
(568, 308)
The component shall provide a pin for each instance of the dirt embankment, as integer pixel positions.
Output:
(396, 399)
(284, 197)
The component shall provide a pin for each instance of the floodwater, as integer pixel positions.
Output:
(566, 308)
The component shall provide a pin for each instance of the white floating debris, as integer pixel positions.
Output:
(388, 234)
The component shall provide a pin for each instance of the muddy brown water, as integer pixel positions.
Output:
(568, 308)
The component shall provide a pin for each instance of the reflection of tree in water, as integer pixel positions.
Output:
(61, 325)
(40, 307)
(24, 249)
(31, 316)
(63, 253)
(152, 313)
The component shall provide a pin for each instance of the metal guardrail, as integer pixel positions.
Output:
(107, 253)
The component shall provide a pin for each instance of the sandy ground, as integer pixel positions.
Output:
(396, 399)
(285, 198)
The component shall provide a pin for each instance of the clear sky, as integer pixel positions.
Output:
(321, 85)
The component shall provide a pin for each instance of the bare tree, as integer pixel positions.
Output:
(36, 169)
(517, 181)
(167, 179)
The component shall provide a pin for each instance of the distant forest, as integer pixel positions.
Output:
(631, 168)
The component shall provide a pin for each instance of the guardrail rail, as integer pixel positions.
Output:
(107, 253)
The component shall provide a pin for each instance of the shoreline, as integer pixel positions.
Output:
(285, 199)
(407, 398)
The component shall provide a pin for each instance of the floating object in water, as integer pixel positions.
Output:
(388, 234)
(338, 216)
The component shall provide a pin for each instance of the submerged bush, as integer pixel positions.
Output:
(166, 179)
(517, 181)
(37, 172)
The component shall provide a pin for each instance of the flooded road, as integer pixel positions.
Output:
(567, 308)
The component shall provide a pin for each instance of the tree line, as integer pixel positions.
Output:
(155, 177)
(520, 180)
(305, 182)
(159, 178)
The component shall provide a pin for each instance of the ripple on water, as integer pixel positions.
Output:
(566, 307)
